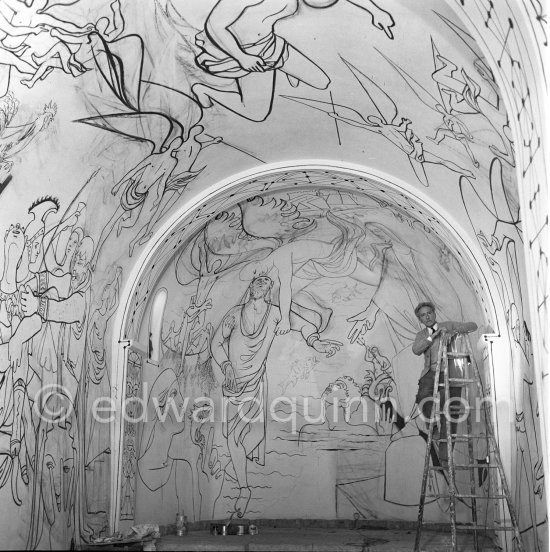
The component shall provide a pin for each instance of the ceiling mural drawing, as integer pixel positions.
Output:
(385, 122)
(291, 285)
(239, 42)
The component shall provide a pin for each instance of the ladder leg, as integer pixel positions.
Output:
(434, 415)
(469, 429)
(450, 458)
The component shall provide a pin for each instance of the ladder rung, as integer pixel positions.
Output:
(463, 438)
(458, 495)
(484, 528)
(462, 380)
(465, 467)
(457, 355)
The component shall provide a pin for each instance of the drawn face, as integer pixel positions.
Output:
(72, 244)
(426, 315)
(175, 398)
(35, 247)
(336, 394)
(79, 266)
(260, 287)
(15, 237)
(57, 473)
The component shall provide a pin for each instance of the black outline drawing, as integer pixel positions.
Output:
(452, 127)
(384, 122)
(497, 225)
(60, 42)
(240, 347)
(467, 96)
(14, 138)
(157, 114)
(250, 57)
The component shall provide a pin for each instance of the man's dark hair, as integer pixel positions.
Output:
(422, 305)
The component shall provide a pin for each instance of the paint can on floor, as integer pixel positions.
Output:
(240, 529)
(223, 530)
(252, 530)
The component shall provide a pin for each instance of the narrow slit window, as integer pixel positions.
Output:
(155, 325)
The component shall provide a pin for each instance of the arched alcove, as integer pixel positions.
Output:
(111, 164)
(379, 247)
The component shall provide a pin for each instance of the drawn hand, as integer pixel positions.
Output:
(29, 302)
(283, 327)
(230, 380)
(327, 346)
(384, 21)
(363, 322)
(15, 352)
(356, 331)
(384, 423)
(252, 63)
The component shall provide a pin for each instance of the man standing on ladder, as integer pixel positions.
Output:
(427, 343)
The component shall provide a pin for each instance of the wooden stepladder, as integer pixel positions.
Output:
(469, 377)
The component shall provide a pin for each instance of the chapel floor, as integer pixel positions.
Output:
(320, 540)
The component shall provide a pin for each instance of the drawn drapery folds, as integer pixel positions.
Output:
(254, 292)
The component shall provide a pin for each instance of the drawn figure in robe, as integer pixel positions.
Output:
(166, 453)
(240, 347)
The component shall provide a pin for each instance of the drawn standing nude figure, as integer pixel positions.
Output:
(239, 42)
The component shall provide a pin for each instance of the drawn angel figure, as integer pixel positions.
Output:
(385, 122)
(467, 96)
(270, 237)
(161, 116)
(48, 52)
(13, 38)
(452, 126)
(239, 42)
(15, 138)
(79, 41)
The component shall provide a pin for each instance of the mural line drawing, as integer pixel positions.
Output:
(384, 121)
(240, 347)
(239, 42)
